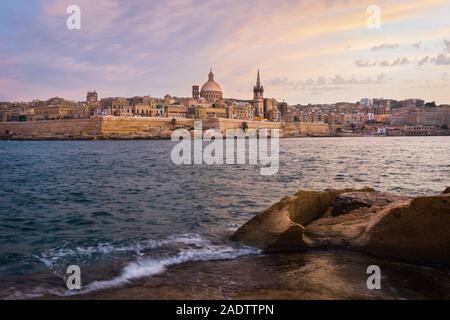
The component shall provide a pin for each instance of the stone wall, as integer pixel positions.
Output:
(54, 129)
(145, 127)
(304, 129)
(224, 124)
(99, 127)
(111, 127)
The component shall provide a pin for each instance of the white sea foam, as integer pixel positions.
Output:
(188, 247)
(150, 266)
(53, 257)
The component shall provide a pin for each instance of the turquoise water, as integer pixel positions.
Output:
(121, 210)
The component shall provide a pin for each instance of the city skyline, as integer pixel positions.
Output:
(308, 52)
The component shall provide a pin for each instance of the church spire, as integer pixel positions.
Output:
(258, 87)
(258, 97)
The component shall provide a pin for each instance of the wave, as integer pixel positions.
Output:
(149, 266)
(53, 257)
(188, 247)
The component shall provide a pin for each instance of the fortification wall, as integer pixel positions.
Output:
(224, 124)
(303, 129)
(61, 129)
(110, 127)
(145, 127)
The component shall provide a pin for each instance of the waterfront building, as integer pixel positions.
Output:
(243, 111)
(176, 111)
(419, 130)
(209, 113)
(145, 109)
(54, 112)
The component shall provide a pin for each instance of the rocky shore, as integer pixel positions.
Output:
(318, 245)
(363, 220)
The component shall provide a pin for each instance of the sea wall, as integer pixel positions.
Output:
(226, 124)
(304, 129)
(52, 129)
(145, 127)
(98, 127)
(110, 127)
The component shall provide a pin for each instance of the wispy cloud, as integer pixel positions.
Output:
(385, 46)
(365, 63)
(325, 83)
(394, 63)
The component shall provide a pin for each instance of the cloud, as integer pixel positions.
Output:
(385, 46)
(394, 63)
(364, 63)
(447, 45)
(442, 60)
(424, 60)
(336, 82)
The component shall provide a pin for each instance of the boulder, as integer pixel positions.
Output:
(447, 190)
(281, 227)
(415, 229)
(350, 201)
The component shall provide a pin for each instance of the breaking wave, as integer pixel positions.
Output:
(182, 248)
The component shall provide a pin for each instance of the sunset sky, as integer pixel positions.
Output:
(307, 51)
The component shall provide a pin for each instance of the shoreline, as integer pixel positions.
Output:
(169, 139)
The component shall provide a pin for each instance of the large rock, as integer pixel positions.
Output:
(417, 229)
(350, 201)
(281, 227)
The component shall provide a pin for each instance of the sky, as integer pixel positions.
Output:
(308, 51)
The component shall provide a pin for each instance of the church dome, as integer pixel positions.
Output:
(211, 90)
(211, 86)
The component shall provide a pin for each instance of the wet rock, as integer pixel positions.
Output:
(446, 191)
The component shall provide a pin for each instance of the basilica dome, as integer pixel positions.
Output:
(211, 90)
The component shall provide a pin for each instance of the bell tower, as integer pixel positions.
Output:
(258, 97)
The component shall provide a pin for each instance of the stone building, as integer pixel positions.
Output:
(54, 112)
(209, 113)
(241, 111)
(419, 130)
(144, 109)
(176, 111)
